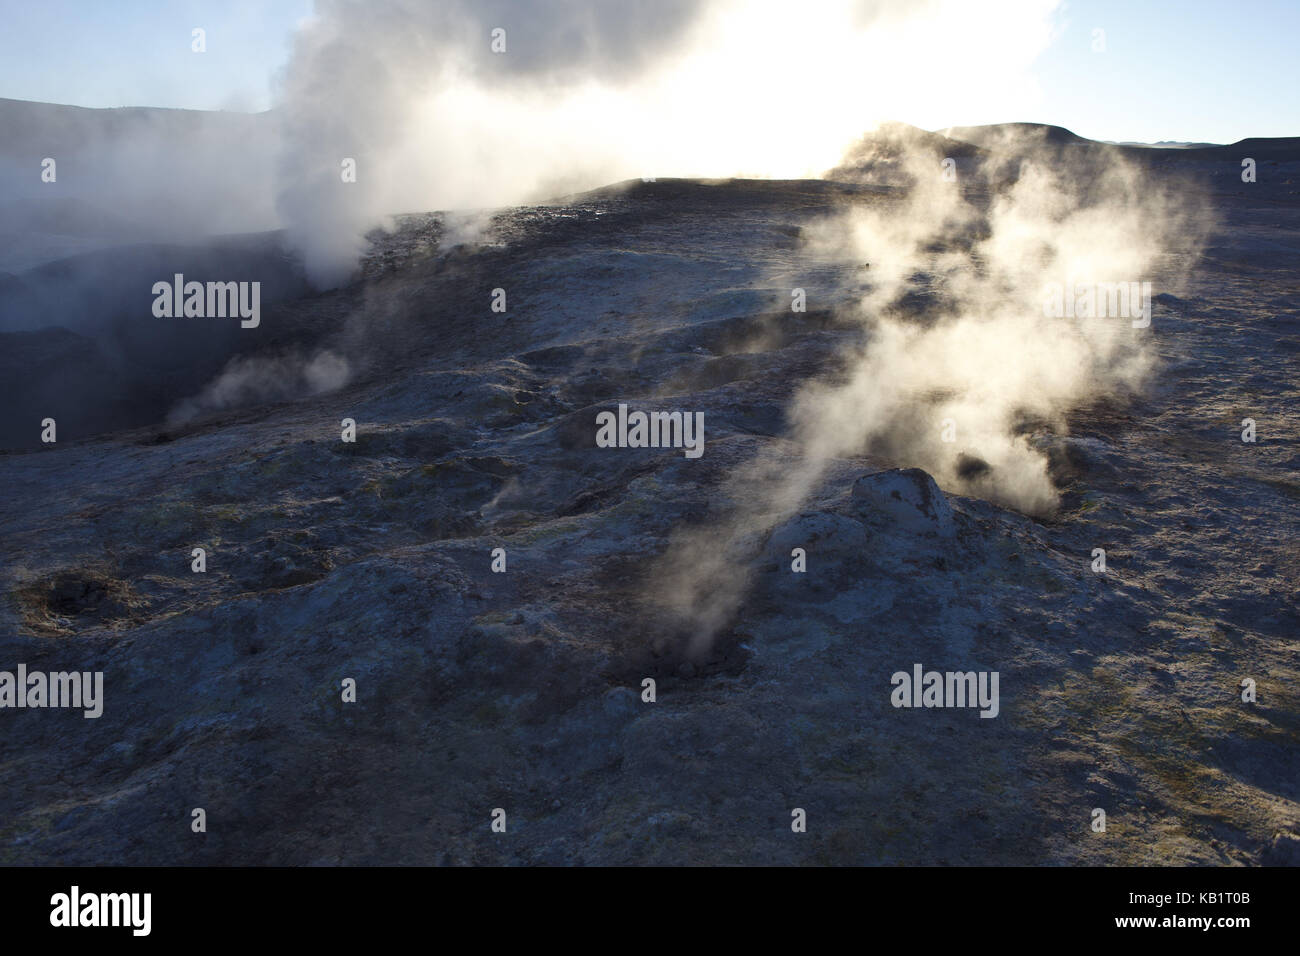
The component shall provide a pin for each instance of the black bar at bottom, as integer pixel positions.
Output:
(333, 906)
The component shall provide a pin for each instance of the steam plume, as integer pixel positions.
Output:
(588, 92)
(984, 359)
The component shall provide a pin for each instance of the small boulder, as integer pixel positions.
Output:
(906, 497)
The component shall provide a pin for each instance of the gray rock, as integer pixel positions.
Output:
(908, 498)
(1283, 851)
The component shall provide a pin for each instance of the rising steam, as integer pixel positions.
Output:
(973, 359)
(252, 380)
(589, 92)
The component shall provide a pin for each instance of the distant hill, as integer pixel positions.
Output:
(896, 154)
(1280, 148)
(1164, 144)
(127, 175)
(998, 134)
(49, 129)
(1027, 135)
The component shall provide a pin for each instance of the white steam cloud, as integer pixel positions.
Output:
(251, 380)
(950, 387)
(589, 92)
(993, 357)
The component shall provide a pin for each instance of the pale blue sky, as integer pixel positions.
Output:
(1192, 70)
(1172, 69)
(137, 52)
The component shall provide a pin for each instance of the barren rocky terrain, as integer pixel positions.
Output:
(522, 690)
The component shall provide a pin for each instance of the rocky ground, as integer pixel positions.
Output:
(521, 690)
